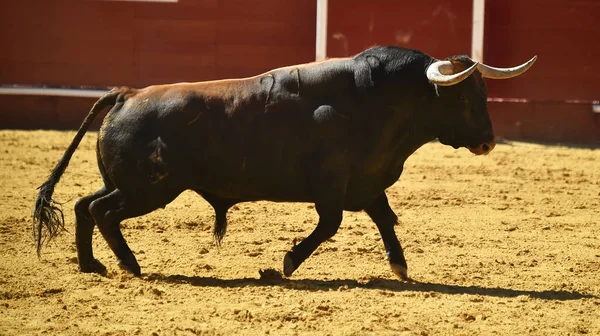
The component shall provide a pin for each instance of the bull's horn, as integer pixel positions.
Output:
(441, 73)
(504, 73)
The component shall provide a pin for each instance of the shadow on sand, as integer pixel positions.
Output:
(376, 283)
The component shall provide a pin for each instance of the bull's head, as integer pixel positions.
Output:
(460, 105)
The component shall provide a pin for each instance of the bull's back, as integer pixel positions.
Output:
(255, 138)
(217, 138)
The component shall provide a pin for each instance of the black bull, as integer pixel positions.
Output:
(334, 133)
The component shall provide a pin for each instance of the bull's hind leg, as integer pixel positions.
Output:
(84, 228)
(385, 219)
(110, 210)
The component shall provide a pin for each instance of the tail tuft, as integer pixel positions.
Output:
(220, 227)
(47, 215)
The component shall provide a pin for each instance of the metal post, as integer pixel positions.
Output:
(478, 30)
(321, 46)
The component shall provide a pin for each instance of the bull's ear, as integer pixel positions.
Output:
(363, 73)
(458, 65)
(460, 62)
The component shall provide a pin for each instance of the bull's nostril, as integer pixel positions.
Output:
(485, 147)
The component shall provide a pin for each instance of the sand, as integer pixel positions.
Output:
(506, 244)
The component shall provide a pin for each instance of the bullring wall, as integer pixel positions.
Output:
(107, 43)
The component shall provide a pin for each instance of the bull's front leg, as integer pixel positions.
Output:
(385, 219)
(329, 203)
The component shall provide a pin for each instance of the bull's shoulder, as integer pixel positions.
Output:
(329, 77)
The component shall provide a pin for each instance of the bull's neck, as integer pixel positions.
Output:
(411, 126)
(409, 109)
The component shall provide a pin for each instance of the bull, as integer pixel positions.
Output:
(335, 133)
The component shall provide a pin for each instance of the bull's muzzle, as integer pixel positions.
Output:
(483, 148)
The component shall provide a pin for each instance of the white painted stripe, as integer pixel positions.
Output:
(477, 31)
(321, 40)
(33, 91)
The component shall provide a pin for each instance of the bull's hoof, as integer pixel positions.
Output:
(288, 265)
(93, 267)
(400, 271)
(132, 268)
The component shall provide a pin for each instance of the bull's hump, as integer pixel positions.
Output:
(325, 62)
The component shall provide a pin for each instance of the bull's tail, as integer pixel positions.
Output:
(48, 219)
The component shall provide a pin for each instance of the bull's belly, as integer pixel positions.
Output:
(254, 180)
(288, 191)
(361, 191)
(256, 190)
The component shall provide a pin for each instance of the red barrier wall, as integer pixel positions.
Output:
(104, 43)
(546, 121)
(113, 43)
(439, 28)
(561, 86)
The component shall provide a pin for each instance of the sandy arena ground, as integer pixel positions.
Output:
(503, 244)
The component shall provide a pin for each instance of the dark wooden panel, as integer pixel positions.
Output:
(35, 112)
(113, 43)
(261, 57)
(267, 23)
(168, 54)
(106, 43)
(506, 119)
(269, 10)
(561, 32)
(71, 111)
(439, 28)
(27, 112)
(71, 74)
(550, 121)
(74, 34)
(190, 10)
(533, 14)
(68, 42)
(268, 32)
(17, 72)
(71, 20)
(158, 31)
(71, 51)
